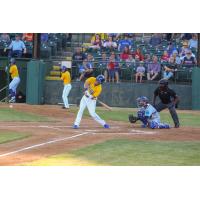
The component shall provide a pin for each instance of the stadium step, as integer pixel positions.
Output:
(56, 68)
(55, 73)
(52, 78)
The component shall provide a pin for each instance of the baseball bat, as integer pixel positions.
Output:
(104, 105)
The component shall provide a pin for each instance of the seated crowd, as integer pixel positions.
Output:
(116, 52)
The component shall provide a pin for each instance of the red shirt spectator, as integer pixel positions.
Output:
(139, 54)
(165, 57)
(125, 55)
(28, 37)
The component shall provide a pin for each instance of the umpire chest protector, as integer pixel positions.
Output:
(165, 95)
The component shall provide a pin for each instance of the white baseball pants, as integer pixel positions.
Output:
(91, 105)
(14, 84)
(65, 94)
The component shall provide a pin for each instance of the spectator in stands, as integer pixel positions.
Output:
(170, 48)
(170, 68)
(155, 40)
(104, 61)
(87, 69)
(103, 36)
(115, 36)
(5, 37)
(176, 57)
(103, 64)
(44, 37)
(164, 57)
(124, 43)
(82, 69)
(193, 42)
(183, 49)
(189, 59)
(78, 57)
(27, 37)
(147, 60)
(125, 54)
(130, 62)
(16, 47)
(113, 68)
(153, 69)
(139, 54)
(140, 72)
(137, 60)
(90, 59)
(96, 43)
(186, 36)
(110, 44)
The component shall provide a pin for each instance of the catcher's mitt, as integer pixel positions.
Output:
(132, 119)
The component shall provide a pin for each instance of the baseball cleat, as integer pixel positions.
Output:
(106, 126)
(176, 125)
(75, 126)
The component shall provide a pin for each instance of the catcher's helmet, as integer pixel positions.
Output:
(100, 79)
(12, 61)
(142, 101)
(64, 68)
(163, 82)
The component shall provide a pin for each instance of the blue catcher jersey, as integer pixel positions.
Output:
(152, 113)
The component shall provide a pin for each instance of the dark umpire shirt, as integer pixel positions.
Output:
(165, 96)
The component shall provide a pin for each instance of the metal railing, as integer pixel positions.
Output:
(2, 90)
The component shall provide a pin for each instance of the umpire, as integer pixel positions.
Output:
(169, 100)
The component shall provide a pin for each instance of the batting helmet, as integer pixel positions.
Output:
(12, 61)
(163, 82)
(100, 79)
(64, 68)
(142, 101)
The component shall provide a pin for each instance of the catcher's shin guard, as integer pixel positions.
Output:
(153, 124)
(164, 126)
(142, 117)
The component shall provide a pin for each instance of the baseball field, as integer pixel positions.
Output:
(42, 136)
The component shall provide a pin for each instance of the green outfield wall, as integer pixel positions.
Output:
(196, 89)
(118, 95)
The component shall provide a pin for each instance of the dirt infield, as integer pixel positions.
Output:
(57, 136)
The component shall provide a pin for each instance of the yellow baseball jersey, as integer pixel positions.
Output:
(14, 71)
(66, 78)
(93, 90)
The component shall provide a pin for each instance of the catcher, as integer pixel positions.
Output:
(148, 115)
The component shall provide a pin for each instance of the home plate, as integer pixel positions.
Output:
(138, 132)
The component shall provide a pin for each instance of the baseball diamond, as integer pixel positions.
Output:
(48, 138)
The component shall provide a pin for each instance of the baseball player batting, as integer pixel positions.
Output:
(148, 115)
(67, 86)
(93, 89)
(15, 80)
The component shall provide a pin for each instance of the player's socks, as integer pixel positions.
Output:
(75, 126)
(106, 126)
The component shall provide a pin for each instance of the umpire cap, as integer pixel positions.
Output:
(163, 82)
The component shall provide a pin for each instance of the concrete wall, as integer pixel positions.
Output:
(118, 95)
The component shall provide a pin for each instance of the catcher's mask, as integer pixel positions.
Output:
(142, 101)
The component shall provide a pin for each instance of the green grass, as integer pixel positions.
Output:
(129, 153)
(8, 115)
(121, 114)
(11, 136)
